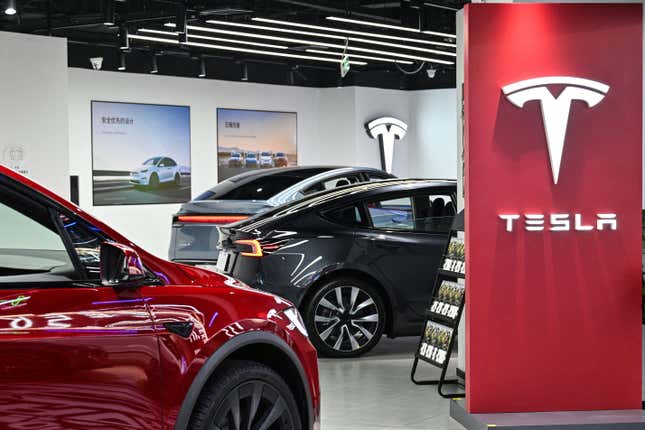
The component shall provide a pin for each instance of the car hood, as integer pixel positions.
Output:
(207, 207)
(210, 279)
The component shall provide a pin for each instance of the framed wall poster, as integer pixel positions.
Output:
(254, 139)
(140, 153)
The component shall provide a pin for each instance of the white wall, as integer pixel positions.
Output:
(33, 112)
(330, 131)
(433, 144)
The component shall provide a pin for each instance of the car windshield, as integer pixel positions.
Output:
(280, 154)
(152, 161)
(266, 154)
(250, 155)
(235, 154)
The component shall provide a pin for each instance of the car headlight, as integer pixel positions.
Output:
(143, 171)
(296, 320)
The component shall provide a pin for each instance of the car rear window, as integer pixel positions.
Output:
(261, 188)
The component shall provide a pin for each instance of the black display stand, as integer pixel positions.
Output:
(444, 312)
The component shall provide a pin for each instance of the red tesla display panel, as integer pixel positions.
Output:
(553, 206)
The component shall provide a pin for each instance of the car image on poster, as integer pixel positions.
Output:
(252, 139)
(140, 153)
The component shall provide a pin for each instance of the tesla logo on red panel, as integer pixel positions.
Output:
(555, 116)
(561, 222)
(555, 110)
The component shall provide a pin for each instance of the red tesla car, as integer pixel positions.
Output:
(97, 333)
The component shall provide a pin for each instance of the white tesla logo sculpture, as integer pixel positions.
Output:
(555, 110)
(387, 130)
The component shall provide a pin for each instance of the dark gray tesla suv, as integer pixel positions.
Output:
(358, 261)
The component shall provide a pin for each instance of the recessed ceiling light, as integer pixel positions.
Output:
(358, 33)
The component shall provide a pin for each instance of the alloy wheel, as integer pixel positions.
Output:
(346, 318)
(253, 405)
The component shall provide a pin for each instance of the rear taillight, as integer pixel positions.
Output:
(252, 247)
(211, 219)
(256, 248)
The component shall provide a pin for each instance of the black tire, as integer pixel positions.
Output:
(339, 332)
(177, 181)
(256, 390)
(154, 181)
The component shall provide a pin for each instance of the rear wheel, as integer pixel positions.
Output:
(345, 318)
(246, 395)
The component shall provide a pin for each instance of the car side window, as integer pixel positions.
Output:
(433, 213)
(339, 181)
(31, 250)
(372, 177)
(392, 214)
(349, 216)
(169, 162)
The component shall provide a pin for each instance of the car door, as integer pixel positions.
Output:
(165, 170)
(405, 240)
(73, 353)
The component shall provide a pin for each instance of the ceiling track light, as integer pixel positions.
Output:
(337, 37)
(364, 57)
(121, 61)
(108, 12)
(358, 33)
(216, 39)
(182, 29)
(316, 43)
(389, 26)
(440, 34)
(11, 8)
(245, 72)
(124, 41)
(238, 49)
(292, 77)
(202, 68)
(373, 24)
(154, 68)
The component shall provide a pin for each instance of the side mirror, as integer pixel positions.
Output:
(120, 265)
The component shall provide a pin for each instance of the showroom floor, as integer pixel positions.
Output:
(375, 392)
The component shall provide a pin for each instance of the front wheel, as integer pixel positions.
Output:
(345, 318)
(246, 395)
(154, 181)
(177, 180)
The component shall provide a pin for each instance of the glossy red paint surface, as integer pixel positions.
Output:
(90, 356)
(553, 317)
